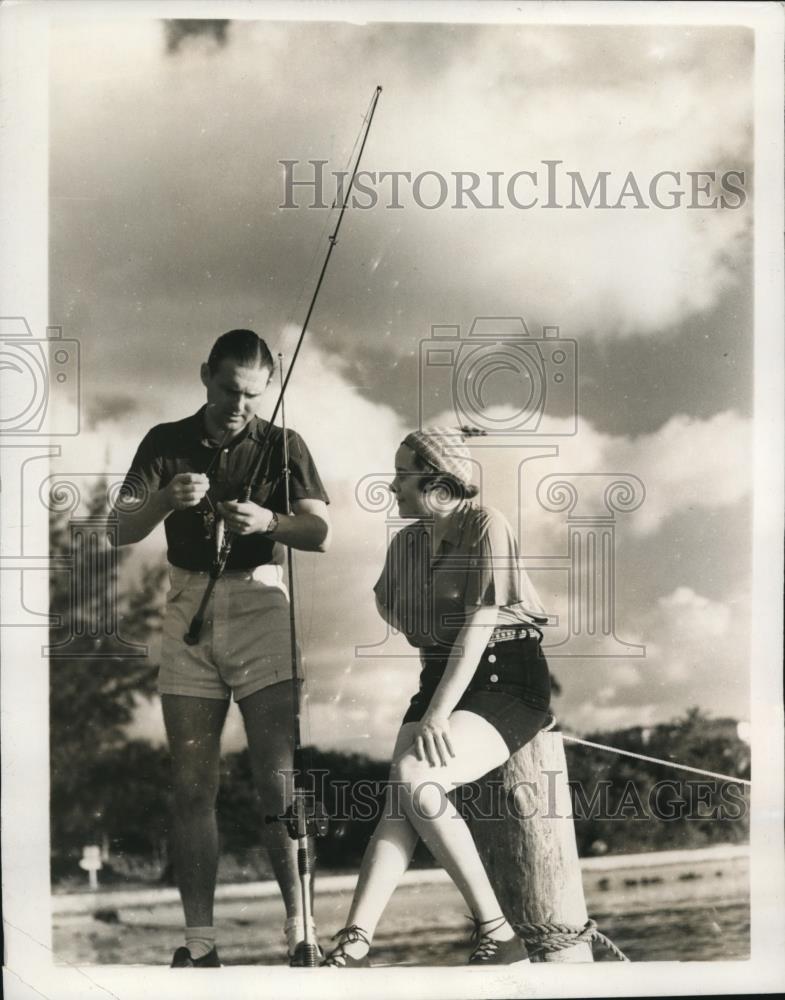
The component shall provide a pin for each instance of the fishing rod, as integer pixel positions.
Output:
(191, 637)
(305, 818)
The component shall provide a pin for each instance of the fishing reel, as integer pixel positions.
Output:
(305, 816)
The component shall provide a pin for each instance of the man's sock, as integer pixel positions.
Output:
(294, 929)
(199, 940)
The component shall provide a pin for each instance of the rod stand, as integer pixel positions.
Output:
(305, 818)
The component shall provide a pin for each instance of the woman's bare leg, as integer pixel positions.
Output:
(478, 749)
(386, 858)
(419, 792)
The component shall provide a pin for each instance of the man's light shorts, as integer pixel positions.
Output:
(245, 643)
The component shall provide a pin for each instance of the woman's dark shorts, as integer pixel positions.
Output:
(511, 688)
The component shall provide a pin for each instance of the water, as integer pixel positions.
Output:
(679, 912)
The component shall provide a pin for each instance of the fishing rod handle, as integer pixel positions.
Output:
(191, 637)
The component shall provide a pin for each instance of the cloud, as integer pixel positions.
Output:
(110, 408)
(687, 464)
(627, 272)
(625, 675)
(593, 716)
(690, 464)
(361, 709)
(692, 644)
(688, 660)
(165, 247)
(694, 615)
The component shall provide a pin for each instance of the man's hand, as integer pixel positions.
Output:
(245, 518)
(186, 490)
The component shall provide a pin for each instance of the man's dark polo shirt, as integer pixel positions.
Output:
(169, 449)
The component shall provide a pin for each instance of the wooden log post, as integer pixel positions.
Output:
(523, 827)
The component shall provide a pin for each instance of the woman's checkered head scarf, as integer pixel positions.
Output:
(444, 450)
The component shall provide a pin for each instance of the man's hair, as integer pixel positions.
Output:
(244, 347)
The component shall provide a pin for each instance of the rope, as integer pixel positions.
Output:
(657, 760)
(548, 937)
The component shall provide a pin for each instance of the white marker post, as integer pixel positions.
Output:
(91, 862)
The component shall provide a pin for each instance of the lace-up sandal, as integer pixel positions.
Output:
(491, 951)
(338, 958)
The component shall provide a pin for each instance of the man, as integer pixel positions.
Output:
(189, 474)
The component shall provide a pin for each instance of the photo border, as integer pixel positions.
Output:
(29, 969)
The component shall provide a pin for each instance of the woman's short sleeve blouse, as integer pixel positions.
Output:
(426, 595)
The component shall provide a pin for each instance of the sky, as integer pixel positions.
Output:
(166, 230)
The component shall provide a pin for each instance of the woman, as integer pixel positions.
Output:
(451, 583)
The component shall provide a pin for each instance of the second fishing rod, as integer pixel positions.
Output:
(191, 637)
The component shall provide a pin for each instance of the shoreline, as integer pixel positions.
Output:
(85, 901)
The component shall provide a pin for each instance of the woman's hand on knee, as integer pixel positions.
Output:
(432, 740)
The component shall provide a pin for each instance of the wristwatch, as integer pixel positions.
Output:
(271, 527)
